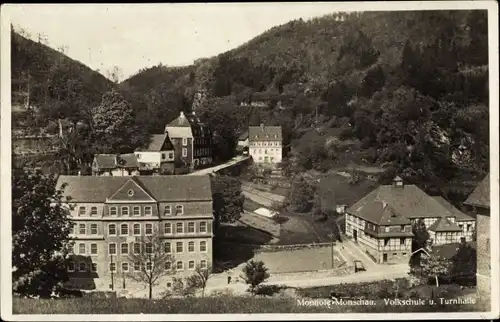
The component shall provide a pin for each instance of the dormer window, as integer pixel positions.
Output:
(179, 210)
(398, 182)
(184, 141)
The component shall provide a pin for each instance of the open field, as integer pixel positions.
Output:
(336, 190)
(221, 304)
(299, 260)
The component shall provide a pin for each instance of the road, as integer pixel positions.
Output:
(219, 167)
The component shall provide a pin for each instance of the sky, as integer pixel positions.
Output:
(132, 36)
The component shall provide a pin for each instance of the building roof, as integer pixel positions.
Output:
(187, 125)
(161, 188)
(480, 197)
(408, 201)
(459, 216)
(243, 136)
(160, 142)
(444, 225)
(113, 161)
(380, 213)
(264, 133)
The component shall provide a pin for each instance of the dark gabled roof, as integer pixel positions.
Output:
(159, 142)
(243, 136)
(380, 213)
(105, 161)
(444, 225)
(113, 161)
(162, 188)
(480, 197)
(459, 216)
(448, 250)
(264, 133)
(408, 201)
(181, 121)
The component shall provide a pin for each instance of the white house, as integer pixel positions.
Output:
(265, 144)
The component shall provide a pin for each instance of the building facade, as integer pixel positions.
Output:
(265, 144)
(382, 221)
(479, 204)
(158, 157)
(192, 141)
(111, 215)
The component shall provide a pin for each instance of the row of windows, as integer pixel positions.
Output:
(170, 155)
(137, 267)
(136, 210)
(124, 229)
(266, 144)
(264, 151)
(136, 248)
(201, 151)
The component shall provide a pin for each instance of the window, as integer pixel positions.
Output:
(149, 229)
(148, 211)
(112, 229)
(81, 211)
(184, 152)
(163, 156)
(149, 266)
(93, 229)
(170, 155)
(137, 266)
(124, 211)
(179, 265)
(138, 156)
(112, 249)
(82, 267)
(401, 241)
(394, 254)
(124, 229)
(191, 246)
(168, 247)
(93, 249)
(179, 247)
(93, 211)
(168, 265)
(112, 267)
(71, 248)
(469, 226)
(461, 227)
(168, 228)
(93, 267)
(149, 248)
(136, 211)
(402, 227)
(386, 241)
(203, 246)
(75, 229)
(167, 210)
(71, 266)
(124, 248)
(184, 141)
(404, 254)
(203, 227)
(179, 210)
(113, 211)
(191, 265)
(203, 264)
(81, 229)
(191, 227)
(137, 248)
(137, 229)
(81, 249)
(125, 267)
(179, 228)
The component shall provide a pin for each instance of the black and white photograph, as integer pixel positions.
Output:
(249, 161)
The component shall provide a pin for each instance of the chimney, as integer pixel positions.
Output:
(398, 182)
(261, 125)
(384, 204)
(181, 114)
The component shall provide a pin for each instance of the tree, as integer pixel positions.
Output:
(301, 196)
(420, 235)
(152, 260)
(431, 266)
(114, 125)
(227, 199)
(199, 279)
(40, 234)
(464, 262)
(254, 273)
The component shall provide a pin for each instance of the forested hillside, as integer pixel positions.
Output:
(411, 87)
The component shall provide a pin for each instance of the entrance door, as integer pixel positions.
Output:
(355, 235)
(384, 258)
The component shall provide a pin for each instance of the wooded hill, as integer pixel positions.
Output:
(410, 87)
